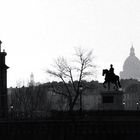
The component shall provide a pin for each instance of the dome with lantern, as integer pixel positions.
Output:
(131, 67)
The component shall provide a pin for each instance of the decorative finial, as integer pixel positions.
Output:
(132, 51)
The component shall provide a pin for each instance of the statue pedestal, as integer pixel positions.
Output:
(112, 100)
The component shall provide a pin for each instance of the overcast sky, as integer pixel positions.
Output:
(35, 32)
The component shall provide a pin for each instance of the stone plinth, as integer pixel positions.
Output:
(112, 100)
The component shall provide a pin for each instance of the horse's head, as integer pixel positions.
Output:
(105, 71)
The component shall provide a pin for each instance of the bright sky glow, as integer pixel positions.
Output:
(35, 32)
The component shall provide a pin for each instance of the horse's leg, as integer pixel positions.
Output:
(116, 82)
(119, 83)
(116, 85)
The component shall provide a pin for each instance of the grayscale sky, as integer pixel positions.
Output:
(35, 32)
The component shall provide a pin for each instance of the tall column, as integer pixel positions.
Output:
(3, 84)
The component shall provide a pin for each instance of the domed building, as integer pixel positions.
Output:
(131, 67)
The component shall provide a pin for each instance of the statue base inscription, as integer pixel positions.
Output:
(112, 100)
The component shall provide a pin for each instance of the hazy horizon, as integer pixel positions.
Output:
(35, 32)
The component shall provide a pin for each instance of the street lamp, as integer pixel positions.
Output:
(80, 89)
(123, 105)
(11, 109)
(137, 105)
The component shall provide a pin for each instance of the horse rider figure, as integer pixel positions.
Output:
(111, 72)
(111, 77)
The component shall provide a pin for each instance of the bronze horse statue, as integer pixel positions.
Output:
(111, 78)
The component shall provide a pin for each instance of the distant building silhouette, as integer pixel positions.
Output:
(3, 83)
(131, 67)
(131, 97)
(32, 82)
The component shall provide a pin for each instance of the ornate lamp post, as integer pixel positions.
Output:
(3, 84)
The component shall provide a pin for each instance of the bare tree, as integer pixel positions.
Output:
(30, 100)
(72, 75)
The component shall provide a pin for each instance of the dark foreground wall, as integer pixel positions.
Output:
(107, 126)
(58, 130)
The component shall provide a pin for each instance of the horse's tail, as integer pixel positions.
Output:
(119, 82)
(103, 73)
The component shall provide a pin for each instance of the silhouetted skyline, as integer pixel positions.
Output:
(34, 33)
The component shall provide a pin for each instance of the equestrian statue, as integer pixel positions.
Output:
(110, 77)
